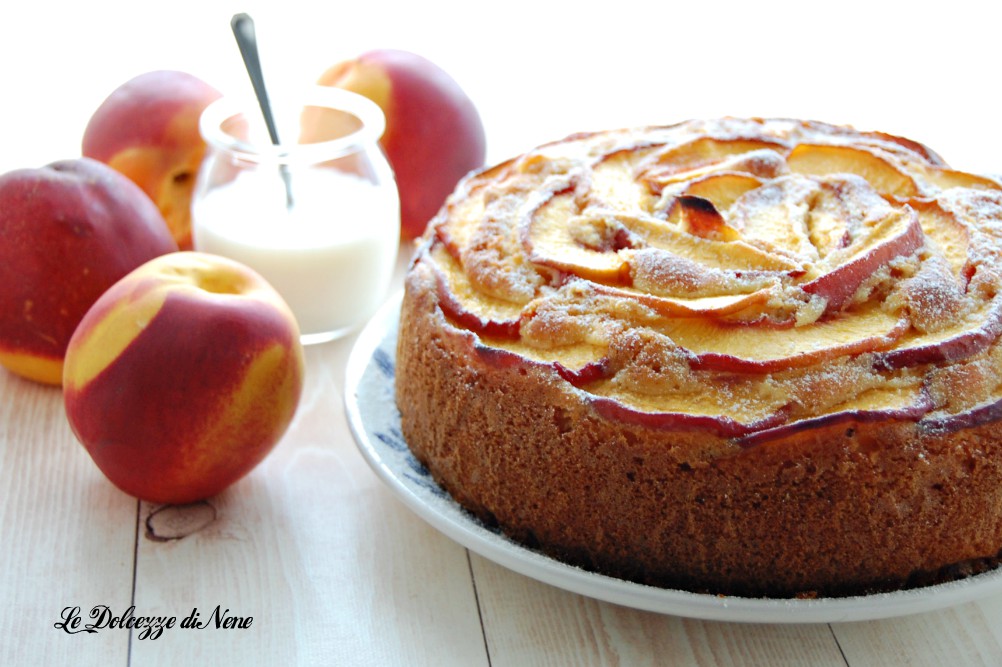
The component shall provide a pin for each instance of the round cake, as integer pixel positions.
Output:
(751, 357)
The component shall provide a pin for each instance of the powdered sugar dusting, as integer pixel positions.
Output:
(831, 237)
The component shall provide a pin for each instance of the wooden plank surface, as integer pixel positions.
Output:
(530, 624)
(67, 537)
(970, 634)
(332, 569)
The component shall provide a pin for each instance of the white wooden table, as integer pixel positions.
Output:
(312, 546)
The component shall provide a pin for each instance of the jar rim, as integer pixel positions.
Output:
(370, 116)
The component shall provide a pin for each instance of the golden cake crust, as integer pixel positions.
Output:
(588, 422)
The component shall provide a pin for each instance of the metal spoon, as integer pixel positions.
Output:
(243, 30)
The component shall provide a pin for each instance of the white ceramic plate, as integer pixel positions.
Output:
(375, 423)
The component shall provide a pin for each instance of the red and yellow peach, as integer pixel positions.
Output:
(69, 231)
(147, 129)
(434, 135)
(183, 376)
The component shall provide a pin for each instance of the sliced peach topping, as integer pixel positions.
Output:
(752, 259)
(706, 306)
(843, 272)
(549, 238)
(459, 299)
(699, 217)
(775, 215)
(685, 413)
(723, 188)
(578, 364)
(963, 337)
(613, 184)
(945, 235)
(735, 255)
(841, 208)
(951, 178)
(824, 159)
(898, 402)
(701, 156)
(760, 349)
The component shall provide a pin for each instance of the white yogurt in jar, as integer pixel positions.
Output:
(331, 254)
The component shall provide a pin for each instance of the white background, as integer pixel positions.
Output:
(538, 70)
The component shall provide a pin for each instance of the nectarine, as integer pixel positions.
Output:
(68, 231)
(148, 130)
(183, 376)
(434, 135)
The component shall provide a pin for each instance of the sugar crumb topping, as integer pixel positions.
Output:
(859, 255)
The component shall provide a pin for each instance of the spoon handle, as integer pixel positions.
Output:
(243, 31)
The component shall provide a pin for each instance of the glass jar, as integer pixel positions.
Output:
(317, 217)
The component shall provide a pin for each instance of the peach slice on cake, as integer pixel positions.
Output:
(700, 157)
(824, 159)
(475, 310)
(951, 178)
(699, 217)
(722, 189)
(467, 203)
(613, 184)
(555, 235)
(763, 349)
(963, 338)
(718, 423)
(907, 403)
(728, 256)
(985, 412)
(947, 236)
(552, 236)
(699, 306)
(840, 208)
(844, 271)
(455, 237)
(776, 216)
(579, 365)
(661, 401)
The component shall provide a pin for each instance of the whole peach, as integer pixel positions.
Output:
(148, 130)
(68, 231)
(434, 135)
(183, 376)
